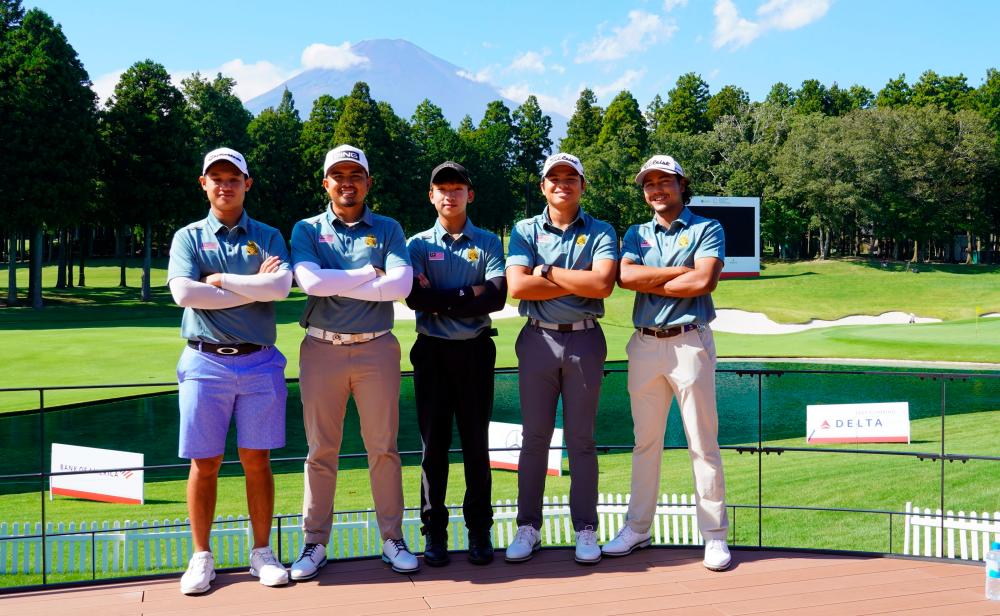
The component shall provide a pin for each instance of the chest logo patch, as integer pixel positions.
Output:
(209, 245)
(543, 238)
(473, 254)
(581, 240)
(325, 238)
(435, 256)
(370, 241)
(252, 248)
(645, 244)
(683, 241)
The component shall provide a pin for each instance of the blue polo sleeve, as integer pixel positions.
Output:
(606, 245)
(183, 258)
(416, 249)
(395, 248)
(304, 245)
(276, 247)
(520, 249)
(494, 258)
(630, 245)
(712, 243)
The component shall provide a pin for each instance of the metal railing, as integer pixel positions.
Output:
(939, 455)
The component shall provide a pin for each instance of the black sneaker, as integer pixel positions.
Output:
(480, 549)
(436, 550)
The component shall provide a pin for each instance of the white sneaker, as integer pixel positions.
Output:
(626, 542)
(309, 562)
(395, 552)
(199, 575)
(266, 566)
(526, 542)
(717, 557)
(587, 550)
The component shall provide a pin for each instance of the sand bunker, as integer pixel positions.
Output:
(742, 322)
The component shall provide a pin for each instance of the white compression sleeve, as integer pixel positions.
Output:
(394, 285)
(190, 293)
(327, 282)
(260, 287)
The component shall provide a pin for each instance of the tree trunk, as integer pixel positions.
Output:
(147, 260)
(12, 270)
(85, 239)
(70, 240)
(120, 249)
(916, 251)
(35, 275)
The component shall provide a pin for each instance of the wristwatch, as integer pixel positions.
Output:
(544, 272)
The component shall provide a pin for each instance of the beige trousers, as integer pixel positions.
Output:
(659, 369)
(328, 375)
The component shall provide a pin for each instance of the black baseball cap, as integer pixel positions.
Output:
(450, 171)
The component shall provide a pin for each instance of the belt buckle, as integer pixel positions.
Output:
(336, 338)
(227, 350)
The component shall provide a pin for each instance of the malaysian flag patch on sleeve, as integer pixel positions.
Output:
(435, 256)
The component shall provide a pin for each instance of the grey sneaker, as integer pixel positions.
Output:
(199, 575)
(266, 566)
(626, 542)
(717, 557)
(309, 562)
(395, 552)
(526, 542)
(587, 550)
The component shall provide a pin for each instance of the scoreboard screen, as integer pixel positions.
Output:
(740, 220)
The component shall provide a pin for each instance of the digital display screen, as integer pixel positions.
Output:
(737, 223)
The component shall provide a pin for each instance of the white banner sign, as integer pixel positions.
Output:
(108, 487)
(508, 435)
(878, 422)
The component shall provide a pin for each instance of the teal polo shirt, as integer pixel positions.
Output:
(688, 238)
(332, 244)
(586, 240)
(209, 247)
(449, 263)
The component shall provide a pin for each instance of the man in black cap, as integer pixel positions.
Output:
(458, 281)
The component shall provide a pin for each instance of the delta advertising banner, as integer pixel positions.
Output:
(108, 487)
(876, 422)
(508, 435)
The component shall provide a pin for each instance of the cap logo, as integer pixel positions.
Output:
(348, 154)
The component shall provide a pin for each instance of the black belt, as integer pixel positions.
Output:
(670, 332)
(243, 348)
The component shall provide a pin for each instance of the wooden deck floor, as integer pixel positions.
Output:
(661, 581)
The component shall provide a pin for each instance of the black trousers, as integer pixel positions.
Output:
(453, 380)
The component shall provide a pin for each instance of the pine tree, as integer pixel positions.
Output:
(585, 124)
(218, 116)
(624, 125)
(531, 146)
(687, 107)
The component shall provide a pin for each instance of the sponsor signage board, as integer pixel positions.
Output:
(108, 487)
(508, 435)
(875, 422)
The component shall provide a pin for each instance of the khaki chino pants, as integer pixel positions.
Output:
(328, 375)
(659, 369)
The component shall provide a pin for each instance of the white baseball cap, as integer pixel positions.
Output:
(660, 162)
(225, 154)
(343, 153)
(562, 159)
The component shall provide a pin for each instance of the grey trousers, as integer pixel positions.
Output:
(553, 364)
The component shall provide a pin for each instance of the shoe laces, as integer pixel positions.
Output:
(399, 544)
(587, 536)
(267, 557)
(526, 534)
(201, 564)
(307, 551)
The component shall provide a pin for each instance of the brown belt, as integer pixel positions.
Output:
(670, 332)
(243, 348)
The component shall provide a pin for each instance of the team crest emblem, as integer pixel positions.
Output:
(473, 254)
(581, 240)
(252, 248)
(370, 241)
(683, 241)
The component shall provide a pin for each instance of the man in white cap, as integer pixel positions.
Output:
(353, 264)
(561, 264)
(673, 263)
(227, 271)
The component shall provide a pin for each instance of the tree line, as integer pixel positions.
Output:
(898, 174)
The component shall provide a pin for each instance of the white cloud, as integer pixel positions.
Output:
(669, 5)
(529, 61)
(481, 76)
(340, 57)
(562, 105)
(252, 79)
(558, 68)
(630, 77)
(104, 85)
(642, 30)
(735, 31)
(713, 73)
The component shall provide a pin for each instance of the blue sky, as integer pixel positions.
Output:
(548, 49)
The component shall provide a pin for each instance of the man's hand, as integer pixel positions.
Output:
(270, 265)
(379, 272)
(537, 270)
(213, 279)
(423, 281)
(477, 289)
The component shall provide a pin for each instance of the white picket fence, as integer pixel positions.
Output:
(144, 547)
(927, 533)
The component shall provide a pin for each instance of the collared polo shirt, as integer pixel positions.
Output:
(330, 243)
(689, 237)
(450, 263)
(537, 241)
(209, 247)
